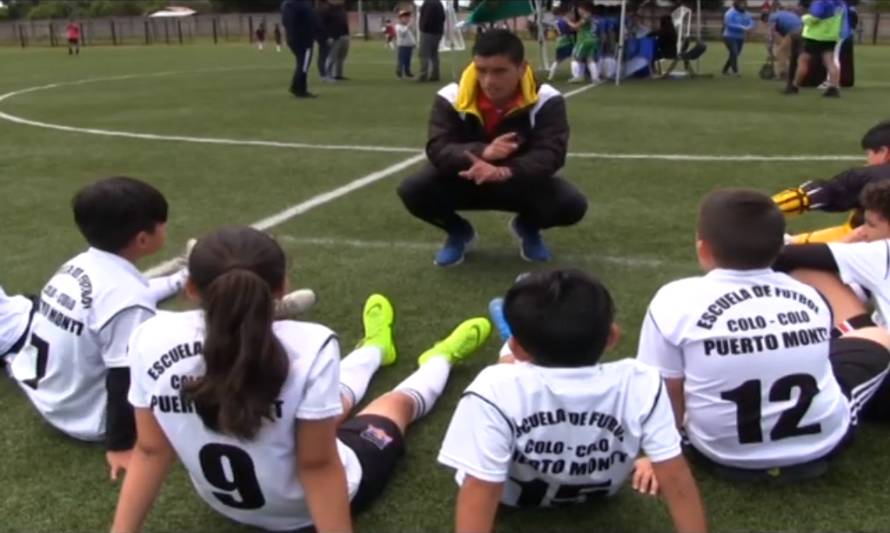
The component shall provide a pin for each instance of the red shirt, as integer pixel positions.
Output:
(73, 31)
(493, 116)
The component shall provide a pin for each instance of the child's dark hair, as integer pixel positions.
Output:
(744, 228)
(112, 212)
(562, 318)
(876, 197)
(499, 42)
(236, 271)
(877, 137)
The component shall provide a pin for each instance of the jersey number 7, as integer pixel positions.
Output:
(42, 348)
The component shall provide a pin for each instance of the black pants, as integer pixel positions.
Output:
(734, 47)
(540, 202)
(429, 56)
(796, 47)
(323, 49)
(301, 72)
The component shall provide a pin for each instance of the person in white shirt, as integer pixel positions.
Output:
(405, 43)
(552, 425)
(746, 352)
(73, 363)
(860, 260)
(256, 409)
(16, 313)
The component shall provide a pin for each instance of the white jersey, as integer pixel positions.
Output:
(559, 435)
(253, 482)
(80, 329)
(866, 264)
(752, 347)
(15, 311)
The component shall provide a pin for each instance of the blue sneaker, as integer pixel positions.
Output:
(531, 244)
(456, 245)
(496, 311)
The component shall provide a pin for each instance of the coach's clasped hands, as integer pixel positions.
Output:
(484, 172)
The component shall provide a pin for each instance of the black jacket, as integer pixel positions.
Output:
(432, 17)
(335, 22)
(456, 127)
(841, 193)
(300, 23)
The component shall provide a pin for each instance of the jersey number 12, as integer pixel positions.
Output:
(748, 399)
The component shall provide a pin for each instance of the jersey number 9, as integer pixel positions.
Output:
(240, 487)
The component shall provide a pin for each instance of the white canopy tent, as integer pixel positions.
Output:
(173, 12)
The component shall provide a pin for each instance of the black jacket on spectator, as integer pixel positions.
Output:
(432, 17)
(335, 22)
(300, 23)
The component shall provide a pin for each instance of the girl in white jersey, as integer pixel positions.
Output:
(255, 408)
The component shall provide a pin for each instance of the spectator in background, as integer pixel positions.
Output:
(736, 22)
(277, 35)
(405, 42)
(261, 36)
(300, 23)
(389, 34)
(336, 23)
(321, 35)
(785, 25)
(73, 32)
(823, 26)
(432, 27)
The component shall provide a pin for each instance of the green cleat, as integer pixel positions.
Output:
(378, 317)
(463, 341)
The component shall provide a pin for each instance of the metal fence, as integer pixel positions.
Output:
(237, 27)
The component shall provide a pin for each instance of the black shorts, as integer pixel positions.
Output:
(378, 443)
(818, 47)
(860, 367)
(73, 41)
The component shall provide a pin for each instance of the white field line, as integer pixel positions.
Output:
(328, 242)
(307, 205)
(358, 148)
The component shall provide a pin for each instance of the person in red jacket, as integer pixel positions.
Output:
(496, 141)
(73, 33)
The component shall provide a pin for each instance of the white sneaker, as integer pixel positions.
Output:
(294, 304)
(597, 82)
(576, 80)
(824, 85)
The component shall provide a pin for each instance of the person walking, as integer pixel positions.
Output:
(736, 22)
(300, 23)
(336, 25)
(432, 26)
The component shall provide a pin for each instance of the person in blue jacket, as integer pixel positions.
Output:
(736, 22)
(300, 26)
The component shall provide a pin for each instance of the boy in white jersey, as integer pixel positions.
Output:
(256, 409)
(73, 364)
(555, 426)
(862, 259)
(746, 354)
(15, 317)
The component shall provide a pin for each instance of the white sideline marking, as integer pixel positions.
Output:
(305, 206)
(359, 148)
(633, 262)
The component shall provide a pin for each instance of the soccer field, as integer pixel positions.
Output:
(214, 128)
